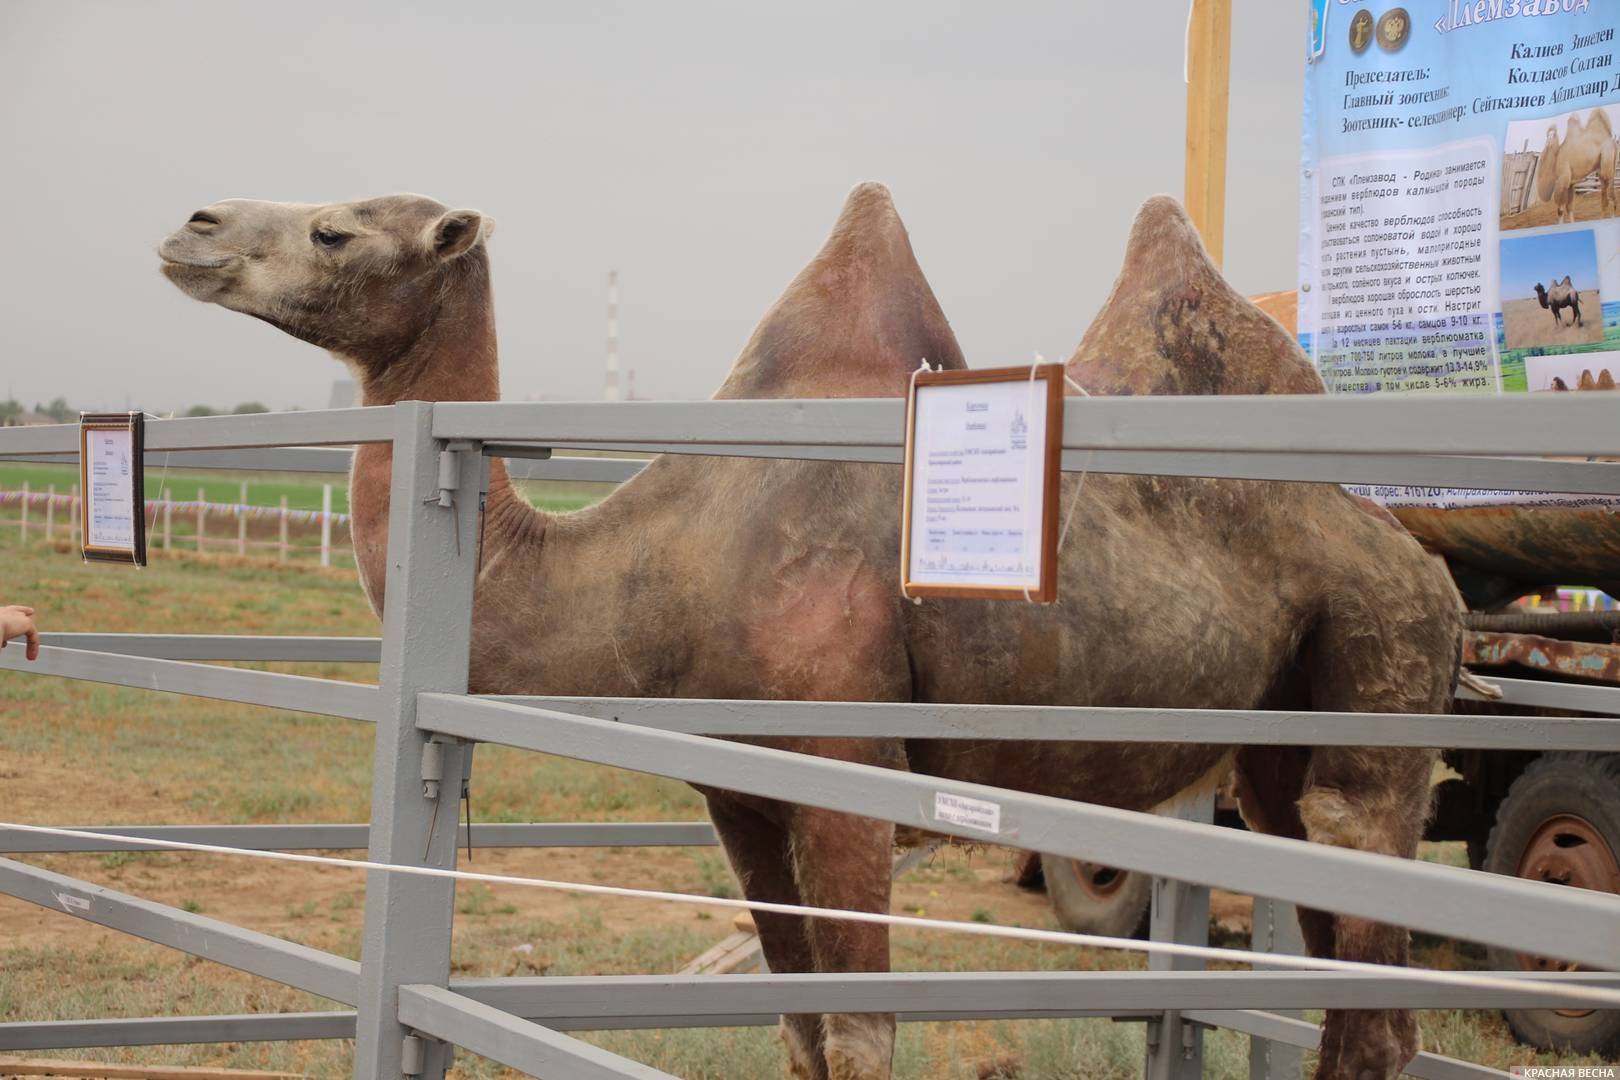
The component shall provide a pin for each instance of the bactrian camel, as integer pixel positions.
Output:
(733, 578)
(1561, 295)
(1586, 149)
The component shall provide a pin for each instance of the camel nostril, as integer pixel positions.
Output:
(202, 217)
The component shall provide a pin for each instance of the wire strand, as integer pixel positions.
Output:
(1560, 993)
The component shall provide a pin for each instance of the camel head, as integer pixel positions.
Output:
(362, 279)
(1541, 293)
(1559, 384)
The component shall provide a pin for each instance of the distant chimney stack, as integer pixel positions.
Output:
(612, 389)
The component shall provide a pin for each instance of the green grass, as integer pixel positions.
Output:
(264, 489)
(303, 491)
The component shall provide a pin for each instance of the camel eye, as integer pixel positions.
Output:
(326, 238)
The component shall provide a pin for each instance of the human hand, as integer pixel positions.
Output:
(17, 621)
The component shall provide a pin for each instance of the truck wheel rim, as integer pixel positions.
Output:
(1567, 850)
(1096, 880)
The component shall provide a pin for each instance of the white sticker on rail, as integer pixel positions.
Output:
(1560, 993)
(970, 813)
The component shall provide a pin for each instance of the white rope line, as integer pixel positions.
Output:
(911, 409)
(1068, 519)
(1595, 996)
(1029, 476)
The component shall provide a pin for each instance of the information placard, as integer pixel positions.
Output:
(113, 510)
(979, 516)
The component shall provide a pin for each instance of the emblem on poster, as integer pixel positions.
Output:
(979, 513)
(113, 510)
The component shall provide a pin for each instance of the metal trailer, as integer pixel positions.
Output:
(403, 1010)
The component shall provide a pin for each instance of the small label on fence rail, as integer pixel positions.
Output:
(1567, 1072)
(974, 813)
(71, 903)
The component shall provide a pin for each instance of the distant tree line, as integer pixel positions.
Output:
(12, 411)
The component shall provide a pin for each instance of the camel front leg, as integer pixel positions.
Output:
(758, 847)
(842, 861)
(1368, 799)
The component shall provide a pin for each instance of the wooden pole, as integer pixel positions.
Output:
(284, 528)
(241, 521)
(77, 514)
(22, 534)
(168, 519)
(326, 524)
(202, 496)
(1209, 70)
(50, 511)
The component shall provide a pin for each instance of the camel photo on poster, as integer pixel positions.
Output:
(1560, 169)
(1550, 290)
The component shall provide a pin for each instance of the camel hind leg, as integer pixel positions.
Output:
(1397, 656)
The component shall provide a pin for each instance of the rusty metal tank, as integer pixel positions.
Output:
(1499, 552)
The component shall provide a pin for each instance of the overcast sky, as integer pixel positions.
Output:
(702, 149)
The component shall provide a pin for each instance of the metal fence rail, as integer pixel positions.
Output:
(406, 1007)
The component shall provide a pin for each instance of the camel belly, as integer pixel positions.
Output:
(1130, 776)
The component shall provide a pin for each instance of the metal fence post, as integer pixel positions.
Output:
(1175, 1048)
(432, 556)
(1275, 928)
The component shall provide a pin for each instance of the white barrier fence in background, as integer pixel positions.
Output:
(38, 513)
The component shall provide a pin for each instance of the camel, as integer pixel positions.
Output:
(1562, 295)
(736, 578)
(1585, 149)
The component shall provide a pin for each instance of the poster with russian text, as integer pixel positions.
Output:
(1460, 224)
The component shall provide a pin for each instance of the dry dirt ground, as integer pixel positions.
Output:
(282, 898)
(1526, 324)
(1588, 207)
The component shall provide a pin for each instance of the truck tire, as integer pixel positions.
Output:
(1560, 822)
(1089, 898)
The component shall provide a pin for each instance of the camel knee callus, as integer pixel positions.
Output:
(736, 578)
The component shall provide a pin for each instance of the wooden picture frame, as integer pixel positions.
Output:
(119, 491)
(1042, 385)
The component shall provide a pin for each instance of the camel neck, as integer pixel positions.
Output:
(454, 358)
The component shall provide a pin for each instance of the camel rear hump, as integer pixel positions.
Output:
(1172, 324)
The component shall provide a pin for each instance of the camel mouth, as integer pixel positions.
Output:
(199, 278)
(191, 264)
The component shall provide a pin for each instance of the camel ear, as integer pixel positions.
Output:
(457, 232)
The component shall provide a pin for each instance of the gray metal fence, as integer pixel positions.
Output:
(405, 1011)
